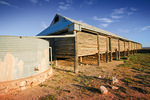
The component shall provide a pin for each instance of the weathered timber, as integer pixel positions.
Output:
(114, 44)
(64, 46)
(98, 48)
(119, 49)
(116, 54)
(76, 69)
(124, 53)
(128, 52)
(121, 45)
(80, 59)
(55, 57)
(107, 49)
(110, 48)
(102, 43)
(87, 44)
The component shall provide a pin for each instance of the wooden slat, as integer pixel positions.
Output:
(87, 43)
(98, 48)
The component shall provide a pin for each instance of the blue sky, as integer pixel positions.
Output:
(127, 18)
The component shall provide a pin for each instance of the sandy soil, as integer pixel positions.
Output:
(65, 84)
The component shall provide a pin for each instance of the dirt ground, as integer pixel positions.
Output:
(65, 84)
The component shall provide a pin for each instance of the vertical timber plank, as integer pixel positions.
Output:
(124, 54)
(118, 49)
(76, 69)
(80, 58)
(107, 49)
(128, 53)
(55, 58)
(98, 53)
(116, 54)
(128, 48)
(110, 48)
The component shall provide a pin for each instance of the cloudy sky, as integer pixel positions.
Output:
(127, 18)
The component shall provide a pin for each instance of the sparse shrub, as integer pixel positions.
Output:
(43, 85)
(49, 97)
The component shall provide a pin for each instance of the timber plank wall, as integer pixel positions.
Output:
(88, 45)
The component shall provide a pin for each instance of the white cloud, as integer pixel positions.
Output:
(119, 11)
(116, 16)
(80, 21)
(106, 20)
(123, 30)
(122, 12)
(145, 28)
(65, 5)
(34, 1)
(69, 1)
(133, 9)
(87, 2)
(8, 4)
(104, 25)
(43, 24)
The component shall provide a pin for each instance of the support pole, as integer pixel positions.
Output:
(80, 59)
(128, 48)
(110, 49)
(107, 57)
(118, 49)
(128, 52)
(98, 53)
(107, 49)
(116, 54)
(111, 58)
(55, 58)
(76, 69)
(124, 53)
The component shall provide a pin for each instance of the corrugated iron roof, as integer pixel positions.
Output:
(61, 25)
(65, 21)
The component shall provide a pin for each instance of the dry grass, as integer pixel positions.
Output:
(133, 76)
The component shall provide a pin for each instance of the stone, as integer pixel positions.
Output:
(23, 88)
(22, 84)
(99, 76)
(114, 80)
(3, 92)
(115, 87)
(103, 89)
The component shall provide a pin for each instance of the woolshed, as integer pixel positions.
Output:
(73, 39)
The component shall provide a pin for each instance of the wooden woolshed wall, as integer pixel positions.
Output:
(73, 39)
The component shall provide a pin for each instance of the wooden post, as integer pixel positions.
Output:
(124, 53)
(55, 58)
(116, 54)
(98, 53)
(110, 49)
(80, 59)
(128, 52)
(128, 48)
(118, 49)
(107, 49)
(76, 69)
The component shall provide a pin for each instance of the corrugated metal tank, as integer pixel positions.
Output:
(21, 57)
